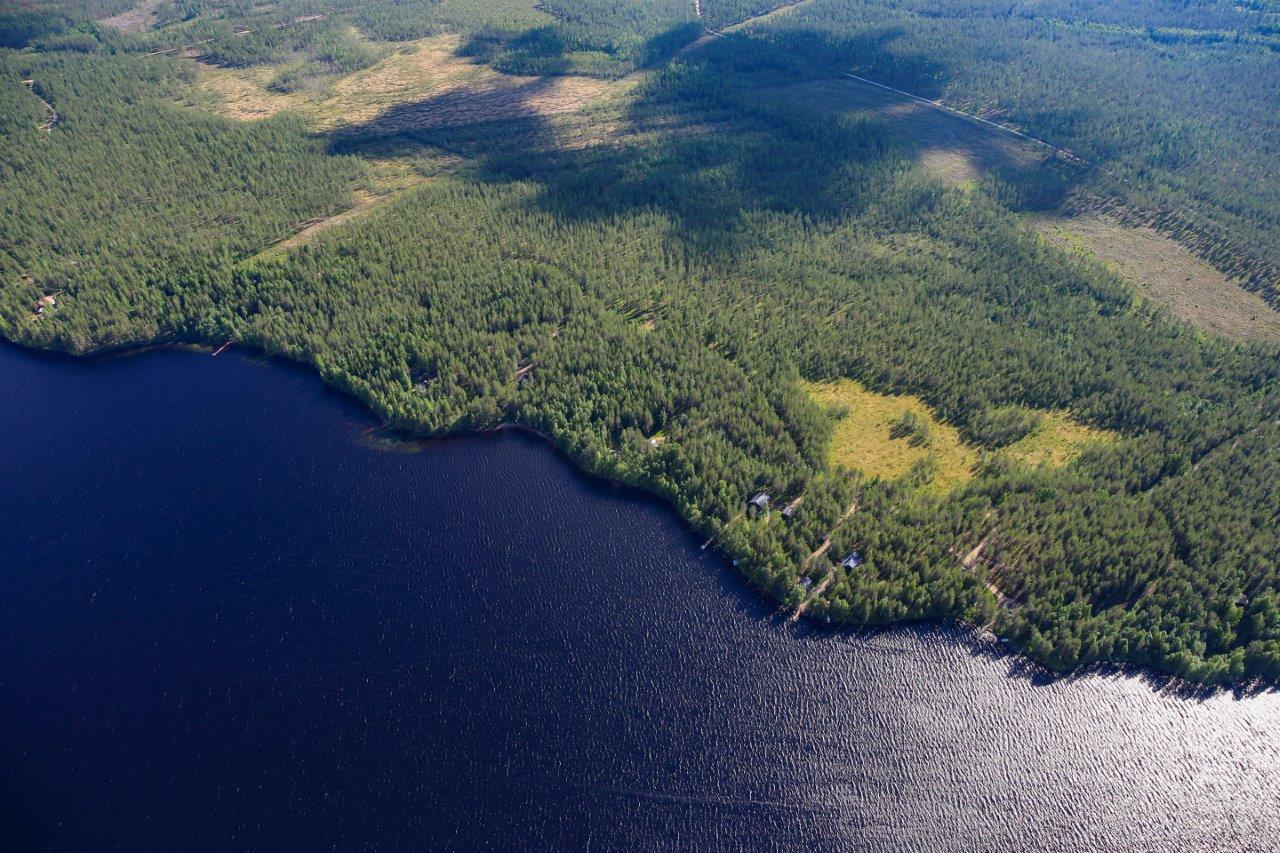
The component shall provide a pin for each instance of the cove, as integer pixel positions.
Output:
(231, 620)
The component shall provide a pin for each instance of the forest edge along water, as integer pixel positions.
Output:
(389, 436)
(385, 436)
(476, 642)
(665, 339)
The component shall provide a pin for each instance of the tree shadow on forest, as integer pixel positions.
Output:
(695, 142)
(726, 131)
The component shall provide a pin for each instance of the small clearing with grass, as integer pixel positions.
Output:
(1057, 440)
(1168, 274)
(864, 436)
(869, 437)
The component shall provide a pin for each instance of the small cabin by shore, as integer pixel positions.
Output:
(759, 502)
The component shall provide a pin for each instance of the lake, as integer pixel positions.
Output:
(234, 617)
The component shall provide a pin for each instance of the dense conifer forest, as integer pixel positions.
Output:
(1172, 103)
(653, 280)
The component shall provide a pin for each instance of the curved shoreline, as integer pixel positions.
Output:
(1157, 679)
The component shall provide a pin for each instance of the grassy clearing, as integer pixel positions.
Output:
(865, 437)
(1056, 441)
(1168, 274)
(428, 72)
(242, 93)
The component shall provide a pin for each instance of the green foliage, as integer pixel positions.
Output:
(1003, 426)
(721, 13)
(1172, 103)
(160, 193)
(649, 301)
(911, 426)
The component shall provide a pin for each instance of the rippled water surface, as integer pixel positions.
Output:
(229, 619)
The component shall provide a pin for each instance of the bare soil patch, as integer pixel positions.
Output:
(1168, 274)
(133, 20)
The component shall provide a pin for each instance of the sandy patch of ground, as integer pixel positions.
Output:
(1168, 274)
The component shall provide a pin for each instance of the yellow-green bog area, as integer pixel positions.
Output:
(864, 440)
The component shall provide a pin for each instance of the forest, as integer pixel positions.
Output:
(653, 281)
(1171, 103)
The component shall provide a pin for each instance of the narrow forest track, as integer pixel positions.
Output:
(813, 594)
(722, 529)
(831, 574)
(971, 560)
(50, 112)
(363, 202)
(775, 12)
(938, 105)
(848, 75)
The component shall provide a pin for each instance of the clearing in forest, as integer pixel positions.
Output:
(419, 84)
(953, 149)
(1057, 440)
(864, 436)
(868, 437)
(961, 152)
(133, 20)
(391, 173)
(1168, 274)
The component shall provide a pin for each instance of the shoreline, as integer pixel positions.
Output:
(1157, 679)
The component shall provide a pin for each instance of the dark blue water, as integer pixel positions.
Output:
(230, 619)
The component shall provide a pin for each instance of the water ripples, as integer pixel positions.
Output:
(248, 625)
